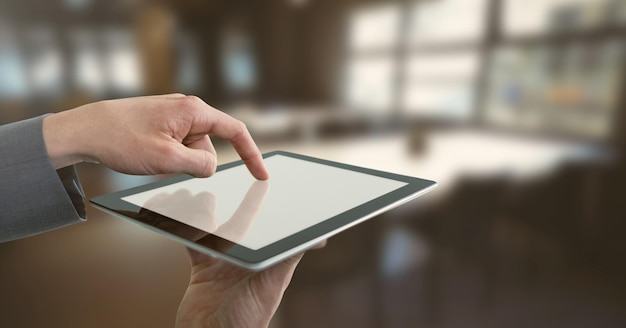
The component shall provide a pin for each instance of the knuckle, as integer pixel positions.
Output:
(167, 151)
(240, 128)
(191, 102)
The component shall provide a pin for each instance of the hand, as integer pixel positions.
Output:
(148, 135)
(222, 295)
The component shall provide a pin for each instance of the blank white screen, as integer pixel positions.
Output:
(299, 194)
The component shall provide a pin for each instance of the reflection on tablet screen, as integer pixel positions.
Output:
(234, 206)
(198, 210)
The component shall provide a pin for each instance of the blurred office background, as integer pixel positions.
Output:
(516, 107)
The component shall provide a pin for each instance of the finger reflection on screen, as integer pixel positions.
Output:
(195, 210)
(239, 224)
(198, 211)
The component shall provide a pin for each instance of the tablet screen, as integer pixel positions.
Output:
(234, 206)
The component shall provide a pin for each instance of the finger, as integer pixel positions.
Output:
(294, 260)
(197, 162)
(212, 121)
(237, 134)
(202, 142)
(196, 257)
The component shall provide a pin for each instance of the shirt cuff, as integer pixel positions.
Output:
(74, 189)
(34, 197)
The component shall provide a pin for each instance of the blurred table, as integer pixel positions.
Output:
(444, 156)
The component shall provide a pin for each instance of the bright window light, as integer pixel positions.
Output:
(441, 85)
(370, 83)
(370, 78)
(447, 21)
(451, 101)
(458, 65)
(375, 27)
(13, 79)
(88, 70)
(45, 63)
(239, 67)
(532, 17)
(122, 59)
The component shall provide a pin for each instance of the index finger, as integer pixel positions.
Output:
(215, 122)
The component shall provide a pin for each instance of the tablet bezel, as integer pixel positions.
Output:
(279, 250)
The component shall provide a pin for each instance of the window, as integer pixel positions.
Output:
(536, 17)
(375, 28)
(87, 66)
(404, 58)
(447, 21)
(441, 84)
(548, 66)
(559, 69)
(45, 62)
(122, 59)
(571, 89)
(373, 40)
(13, 83)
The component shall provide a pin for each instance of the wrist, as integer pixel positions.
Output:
(62, 140)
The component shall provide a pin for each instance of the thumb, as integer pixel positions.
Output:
(197, 162)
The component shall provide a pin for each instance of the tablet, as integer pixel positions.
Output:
(255, 224)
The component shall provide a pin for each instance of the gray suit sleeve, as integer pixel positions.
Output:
(34, 197)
